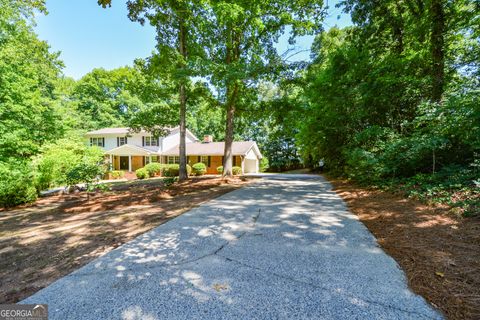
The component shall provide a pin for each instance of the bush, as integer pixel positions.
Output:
(264, 164)
(117, 174)
(189, 170)
(60, 157)
(142, 173)
(199, 169)
(16, 184)
(170, 170)
(84, 173)
(236, 171)
(169, 181)
(220, 170)
(154, 169)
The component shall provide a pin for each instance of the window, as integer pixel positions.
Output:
(150, 141)
(154, 159)
(99, 142)
(173, 160)
(204, 160)
(121, 141)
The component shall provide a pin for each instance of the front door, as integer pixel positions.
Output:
(124, 163)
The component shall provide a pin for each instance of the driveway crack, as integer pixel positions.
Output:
(298, 281)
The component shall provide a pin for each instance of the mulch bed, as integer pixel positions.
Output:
(438, 250)
(45, 241)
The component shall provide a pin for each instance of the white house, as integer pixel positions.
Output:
(130, 151)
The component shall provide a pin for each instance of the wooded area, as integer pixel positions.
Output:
(392, 101)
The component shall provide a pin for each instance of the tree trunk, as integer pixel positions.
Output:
(182, 175)
(437, 46)
(232, 55)
(229, 128)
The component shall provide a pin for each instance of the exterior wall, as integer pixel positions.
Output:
(137, 162)
(172, 140)
(215, 162)
(251, 166)
(251, 155)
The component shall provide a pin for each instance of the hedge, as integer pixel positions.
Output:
(199, 169)
(142, 173)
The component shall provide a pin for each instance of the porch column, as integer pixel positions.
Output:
(257, 167)
(150, 159)
(111, 163)
(129, 163)
(243, 164)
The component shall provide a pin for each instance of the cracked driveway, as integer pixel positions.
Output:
(283, 247)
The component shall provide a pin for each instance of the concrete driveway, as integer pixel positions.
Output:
(284, 247)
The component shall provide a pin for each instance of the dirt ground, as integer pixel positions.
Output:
(42, 242)
(439, 251)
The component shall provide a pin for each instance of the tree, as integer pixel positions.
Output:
(180, 26)
(29, 71)
(244, 52)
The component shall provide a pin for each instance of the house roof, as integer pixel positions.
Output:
(128, 149)
(239, 148)
(126, 130)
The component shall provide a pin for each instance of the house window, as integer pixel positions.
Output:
(173, 159)
(154, 159)
(151, 142)
(121, 141)
(99, 142)
(204, 160)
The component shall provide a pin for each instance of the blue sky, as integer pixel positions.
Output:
(91, 37)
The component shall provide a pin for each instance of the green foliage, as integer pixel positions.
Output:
(84, 172)
(117, 174)
(264, 165)
(142, 173)
(170, 170)
(154, 169)
(393, 101)
(220, 169)
(60, 157)
(16, 183)
(169, 181)
(236, 171)
(29, 72)
(199, 169)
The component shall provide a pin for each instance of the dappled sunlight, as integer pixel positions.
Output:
(136, 313)
(59, 234)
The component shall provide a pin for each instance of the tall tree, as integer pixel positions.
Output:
(28, 76)
(179, 26)
(244, 52)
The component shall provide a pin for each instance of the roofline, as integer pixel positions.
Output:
(133, 147)
(256, 150)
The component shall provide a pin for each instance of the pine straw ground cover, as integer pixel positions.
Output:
(45, 241)
(438, 250)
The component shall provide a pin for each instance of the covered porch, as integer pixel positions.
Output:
(130, 158)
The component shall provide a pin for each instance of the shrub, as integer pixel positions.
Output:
(220, 170)
(236, 171)
(169, 181)
(170, 170)
(60, 157)
(142, 173)
(117, 174)
(154, 169)
(189, 170)
(84, 173)
(264, 164)
(199, 169)
(16, 184)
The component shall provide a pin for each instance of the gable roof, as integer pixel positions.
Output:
(128, 149)
(239, 148)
